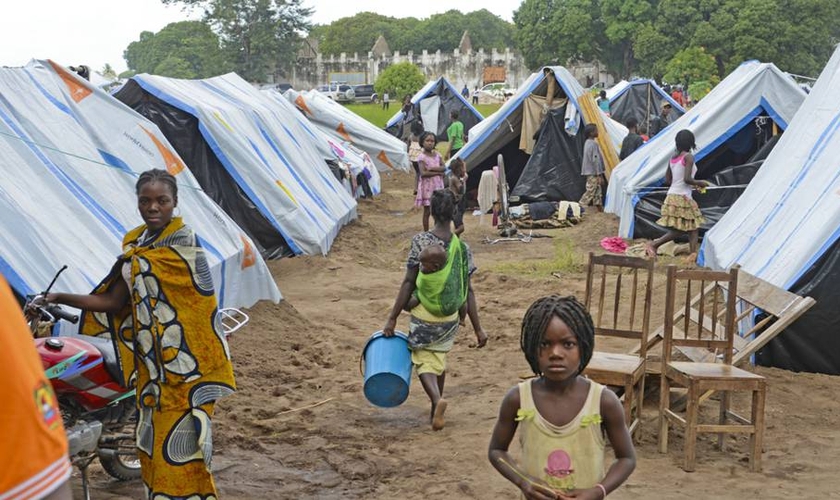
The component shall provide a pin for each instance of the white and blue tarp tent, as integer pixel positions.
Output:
(386, 151)
(433, 104)
(252, 157)
(641, 99)
(540, 137)
(731, 125)
(335, 151)
(785, 229)
(70, 156)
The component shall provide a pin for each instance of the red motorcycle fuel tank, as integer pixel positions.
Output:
(76, 368)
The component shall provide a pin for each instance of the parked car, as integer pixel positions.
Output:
(338, 92)
(365, 93)
(499, 90)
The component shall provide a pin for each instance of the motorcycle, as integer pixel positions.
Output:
(99, 414)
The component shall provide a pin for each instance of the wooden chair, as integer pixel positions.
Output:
(778, 307)
(708, 324)
(627, 316)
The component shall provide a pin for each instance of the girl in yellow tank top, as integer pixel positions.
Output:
(562, 417)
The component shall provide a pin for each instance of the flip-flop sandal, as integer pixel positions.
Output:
(438, 421)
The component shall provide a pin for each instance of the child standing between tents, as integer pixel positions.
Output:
(561, 416)
(458, 186)
(431, 175)
(680, 213)
(603, 102)
(593, 169)
(632, 141)
(455, 135)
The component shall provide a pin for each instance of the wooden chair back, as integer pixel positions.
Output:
(708, 318)
(618, 296)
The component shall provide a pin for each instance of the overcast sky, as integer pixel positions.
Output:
(95, 32)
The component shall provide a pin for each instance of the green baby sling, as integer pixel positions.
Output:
(443, 292)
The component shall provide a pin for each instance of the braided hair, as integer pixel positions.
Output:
(536, 320)
(442, 206)
(157, 175)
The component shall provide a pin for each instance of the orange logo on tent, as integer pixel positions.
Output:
(302, 104)
(249, 258)
(384, 159)
(78, 90)
(174, 165)
(342, 132)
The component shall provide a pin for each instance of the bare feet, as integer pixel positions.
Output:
(650, 252)
(691, 259)
(438, 421)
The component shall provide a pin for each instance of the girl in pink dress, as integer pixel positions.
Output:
(431, 175)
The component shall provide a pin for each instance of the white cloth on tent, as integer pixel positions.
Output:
(572, 120)
(429, 113)
(488, 189)
(534, 110)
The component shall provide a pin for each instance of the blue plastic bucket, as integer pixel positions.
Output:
(387, 369)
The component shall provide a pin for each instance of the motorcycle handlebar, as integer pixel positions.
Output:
(60, 313)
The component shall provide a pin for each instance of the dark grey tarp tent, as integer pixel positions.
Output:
(432, 104)
(641, 99)
(540, 138)
(552, 172)
(253, 155)
(182, 130)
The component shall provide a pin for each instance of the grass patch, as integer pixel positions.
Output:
(565, 260)
(379, 117)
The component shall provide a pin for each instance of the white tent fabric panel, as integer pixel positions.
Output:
(333, 148)
(386, 151)
(788, 216)
(70, 155)
(269, 155)
(429, 113)
(749, 90)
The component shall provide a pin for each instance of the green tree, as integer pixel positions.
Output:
(399, 80)
(258, 35)
(557, 31)
(642, 36)
(175, 67)
(441, 32)
(192, 43)
(355, 34)
(692, 65)
(108, 72)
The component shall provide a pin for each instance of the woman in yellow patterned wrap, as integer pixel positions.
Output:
(159, 308)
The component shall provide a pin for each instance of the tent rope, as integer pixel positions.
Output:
(79, 157)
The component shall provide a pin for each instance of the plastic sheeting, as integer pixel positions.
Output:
(386, 151)
(70, 156)
(273, 171)
(553, 170)
(435, 113)
(342, 151)
(751, 90)
(500, 132)
(784, 229)
(642, 100)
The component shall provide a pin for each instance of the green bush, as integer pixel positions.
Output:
(399, 80)
(698, 90)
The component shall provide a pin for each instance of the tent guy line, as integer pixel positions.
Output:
(91, 160)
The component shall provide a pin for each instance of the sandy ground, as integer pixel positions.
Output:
(305, 351)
